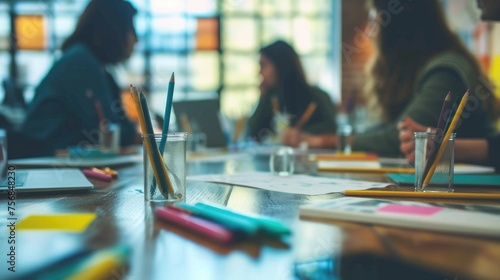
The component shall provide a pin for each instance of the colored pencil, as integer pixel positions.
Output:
(444, 119)
(444, 142)
(275, 104)
(307, 115)
(166, 121)
(238, 128)
(157, 164)
(165, 183)
(168, 110)
(98, 109)
(185, 123)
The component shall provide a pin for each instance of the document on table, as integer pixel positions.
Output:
(297, 184)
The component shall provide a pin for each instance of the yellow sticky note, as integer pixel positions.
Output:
(74, 222)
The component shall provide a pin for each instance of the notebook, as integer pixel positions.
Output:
(466, 219)
(458, 179)
(202, 116)
(46, 180)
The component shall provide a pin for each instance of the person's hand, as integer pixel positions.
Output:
(291, 137)
(406, 131)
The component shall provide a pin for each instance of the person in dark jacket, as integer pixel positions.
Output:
(79, 94)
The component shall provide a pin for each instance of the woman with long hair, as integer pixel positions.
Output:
(418, 60)
(284, 89)
(478, 151)
(78, 94)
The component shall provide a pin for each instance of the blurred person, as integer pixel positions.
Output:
(478, 151)
(418, 60)
(284, 90)
(64, 110)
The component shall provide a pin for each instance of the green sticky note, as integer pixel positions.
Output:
(73, 222)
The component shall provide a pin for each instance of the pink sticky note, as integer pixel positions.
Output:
(410, 209)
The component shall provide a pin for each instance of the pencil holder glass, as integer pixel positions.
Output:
(429, 164)
(172, 188)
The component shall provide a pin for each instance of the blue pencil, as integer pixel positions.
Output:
(166, 120)
(168, 110)
(164, 181)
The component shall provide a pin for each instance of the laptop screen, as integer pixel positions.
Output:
(194, 116)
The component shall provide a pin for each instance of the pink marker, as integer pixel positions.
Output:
(97, 175)
(200, 226)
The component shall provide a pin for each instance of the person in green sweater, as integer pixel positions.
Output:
(478, 151)
(285, 94)
(417, 61)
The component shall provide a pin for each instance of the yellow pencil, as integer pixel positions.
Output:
(275, 104)
(307, 115)
(444, 142)
(238, 128)
(185, 123)
(408, 170)
(148, 146)
(376, 193)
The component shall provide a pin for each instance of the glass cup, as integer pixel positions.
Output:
(3, 155)
(282, 161)
(344, 134)
(174, 160)
(197, 142)
(426, 149)
(109, 137)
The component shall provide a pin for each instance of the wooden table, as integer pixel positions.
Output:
(317, 249)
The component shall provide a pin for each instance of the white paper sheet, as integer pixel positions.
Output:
(297, 184)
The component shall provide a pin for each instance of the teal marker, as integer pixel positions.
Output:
(237, 224)
(265, 225)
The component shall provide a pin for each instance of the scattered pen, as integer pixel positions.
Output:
(97, 175)
(107, 170)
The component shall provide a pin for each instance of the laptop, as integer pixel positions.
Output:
(201, 116)
(47, 179)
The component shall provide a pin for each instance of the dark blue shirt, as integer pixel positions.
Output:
(61, 113)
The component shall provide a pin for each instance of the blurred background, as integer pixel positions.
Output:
(212, 46)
